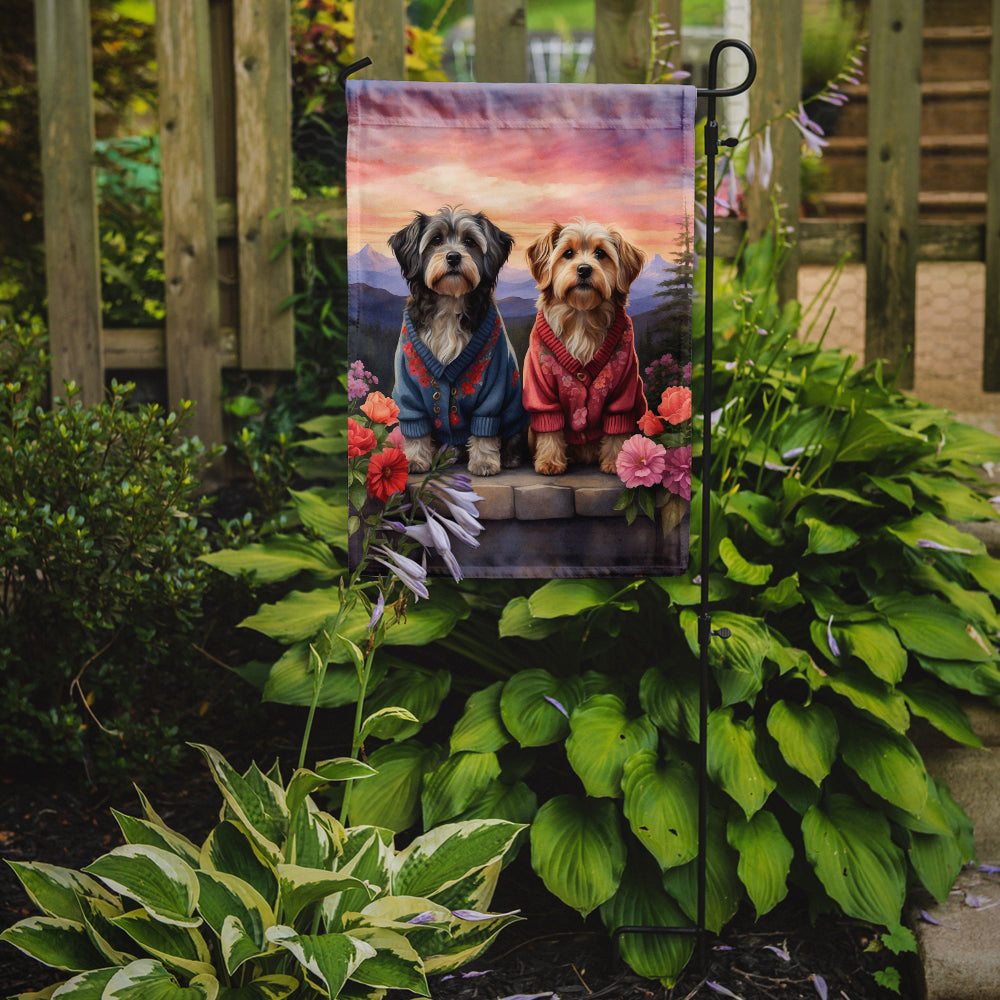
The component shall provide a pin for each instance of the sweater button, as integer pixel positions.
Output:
(437, 395)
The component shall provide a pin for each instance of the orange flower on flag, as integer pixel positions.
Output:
(360, 439)
(380, 409)
(675, 404)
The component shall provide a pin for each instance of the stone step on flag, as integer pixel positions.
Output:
(520, 268)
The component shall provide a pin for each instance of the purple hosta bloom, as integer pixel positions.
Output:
(557, 704)
(989, 869)
(475, 915)
(831, 642)
(465, 975)
(760, 165)
(377, 612)
(460, 500)
(812, 134)
(927, 543)
(719, 988)
(780, 952)
(410, 572)
(427, 917)
(359, 381)
(820, 983)
(727, 198)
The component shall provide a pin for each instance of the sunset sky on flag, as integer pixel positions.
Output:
(538, 154)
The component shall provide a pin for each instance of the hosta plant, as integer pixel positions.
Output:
(855, 606)
(279, 900)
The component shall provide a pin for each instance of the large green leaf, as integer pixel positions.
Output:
(55, 941)
(535, 706)
(866, 692)
(641, 901)
(578, 851)
(292, 680)
(738, 661)
(732, 760)
(765, 858)
(924, 528)
(739, 569)
(976, 678)
(164, 885)
(330, 959)
(481, 728)
(147, 979)
(602, 737)
(279, 558)
(661, 806)
(850, 847)
(440, 858)
(870, 435)
(671, 699)
(723, 889)
(930, 627)
(456, 784)
(327, 520)
(391, 798)
(957, 501)
(888, 763)
(827, 539)
(876, 646)
(941, 709)
(418, 690)
(517, 620)
(807, 736)
(560, 598)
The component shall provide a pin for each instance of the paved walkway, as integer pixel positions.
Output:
(949, 349)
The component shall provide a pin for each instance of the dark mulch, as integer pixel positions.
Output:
(551, 952)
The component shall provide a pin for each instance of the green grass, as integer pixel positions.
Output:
(578, 15)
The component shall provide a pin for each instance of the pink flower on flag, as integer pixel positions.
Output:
(640, 462)
(677, 471)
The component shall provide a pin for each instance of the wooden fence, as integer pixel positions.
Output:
(226, 160)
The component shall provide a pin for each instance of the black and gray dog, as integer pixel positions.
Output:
(457, 377)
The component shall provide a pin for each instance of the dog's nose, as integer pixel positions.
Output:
(454, 258)
(584, 270)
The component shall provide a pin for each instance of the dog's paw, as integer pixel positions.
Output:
(609, 466)
(546, 468)
(485, 465)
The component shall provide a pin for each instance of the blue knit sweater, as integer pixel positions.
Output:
(477, 394)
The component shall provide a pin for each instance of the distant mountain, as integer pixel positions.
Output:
(369, 267)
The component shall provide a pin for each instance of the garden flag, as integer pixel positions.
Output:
(520, 268)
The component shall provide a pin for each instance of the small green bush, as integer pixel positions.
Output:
(99, 575)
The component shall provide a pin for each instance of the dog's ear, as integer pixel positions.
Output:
(539, 256)
(630, 261)
(498, 247)
(405, 245)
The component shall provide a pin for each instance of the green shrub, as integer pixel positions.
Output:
(279, 900)
(101, 584)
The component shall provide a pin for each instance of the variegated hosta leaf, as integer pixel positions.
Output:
(578, 851)
(230, 849)
(468, 939)
(765, 858)
(177, 947)
(256, 801)
(301, 887)
(55, 941)
(475, 891)
(367, 853)
(807, 736)
(481, 727)
(225, 897)
(456, 784)
(732, 760)
(661, 805)
(149, 980)
(86, 986)
(602, 737)
(395, 964)
(888, 763)
(56, 891)
(315, 838)
(850, 847)
(158, 880)
(535, 706)
(141, 831)
(304, 782)
(642, 902)
(441, 857)
(99, 915)
(723, 889)
(328, 959)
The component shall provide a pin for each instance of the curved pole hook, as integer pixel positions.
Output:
(713, 69)
(353, 68)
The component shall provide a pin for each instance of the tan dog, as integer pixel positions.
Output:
(581, 375)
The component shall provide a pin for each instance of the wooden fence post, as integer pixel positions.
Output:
(776, 35)
(72, 255)
(380, 34)
(991, 331)
(621, 40)
(190, 251)
(892, 213)
(501, 41)
(261, 57)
